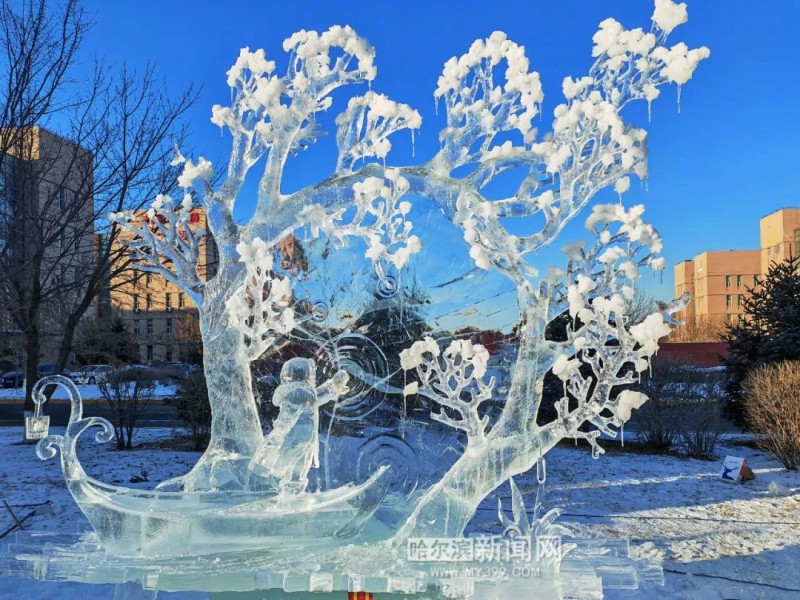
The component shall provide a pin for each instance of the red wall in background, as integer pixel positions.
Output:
(700, 354)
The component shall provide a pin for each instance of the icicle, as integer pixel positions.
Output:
(541, 470)
(649, 110)
(413, 149)
(622, 434)
(595, 451)
(679, 99)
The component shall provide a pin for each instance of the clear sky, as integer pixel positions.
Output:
(729, 157)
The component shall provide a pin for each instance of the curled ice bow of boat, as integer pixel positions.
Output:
(135, 522)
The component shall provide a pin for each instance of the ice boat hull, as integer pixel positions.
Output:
(135, 522)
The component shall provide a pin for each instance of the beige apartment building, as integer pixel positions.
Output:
(46, 234)
(161, 317)
(720, 281)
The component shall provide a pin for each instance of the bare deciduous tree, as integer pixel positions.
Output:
(70, 153)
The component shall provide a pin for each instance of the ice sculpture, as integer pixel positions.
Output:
(252, 491)
(292, 448)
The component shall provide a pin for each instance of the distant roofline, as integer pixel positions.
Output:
(777, 210)
(725, 252)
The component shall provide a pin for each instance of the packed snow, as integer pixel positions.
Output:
(711, 535)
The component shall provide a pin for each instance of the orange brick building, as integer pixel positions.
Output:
(720, 281)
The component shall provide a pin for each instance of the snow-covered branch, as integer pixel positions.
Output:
(477, 109)
(380, 218)
(590, 147)
(274, 115)
(364, 128)
(166, 242)
(261, 309)
(446, 377)
(598, 297)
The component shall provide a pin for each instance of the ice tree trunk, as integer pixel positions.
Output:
(235, 424)
(512, 447)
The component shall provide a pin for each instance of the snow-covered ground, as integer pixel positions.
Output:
(712, 535)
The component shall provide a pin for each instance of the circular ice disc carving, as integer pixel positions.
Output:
(366, 364)
(392, 451)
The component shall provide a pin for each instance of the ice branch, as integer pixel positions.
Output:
(447, 377)
(364, 128)
(590, 148)
(380, 219)
(260, 309)
(164, 241)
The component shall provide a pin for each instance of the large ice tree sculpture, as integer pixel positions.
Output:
(491, 98)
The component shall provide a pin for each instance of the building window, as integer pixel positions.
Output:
(728, 281)
(149, 351)
(149, 301)
(148, 278)
(168, 353)
(728, 300)
(181, 301)
(136, 303)
(729, 318)
(756, 279)
(149, 326)
(136, 327)
(739, 281)
(168, 301)
(169, 326)
(741, 300)
(136, 277)
(62, 195)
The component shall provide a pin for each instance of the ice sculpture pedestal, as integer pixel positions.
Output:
(592, 566)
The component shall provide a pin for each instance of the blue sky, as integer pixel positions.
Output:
(729, 157)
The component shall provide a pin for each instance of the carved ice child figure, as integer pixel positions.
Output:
(292, 447)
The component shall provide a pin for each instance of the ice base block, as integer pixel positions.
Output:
(592, 566)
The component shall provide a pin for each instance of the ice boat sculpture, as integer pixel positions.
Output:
(412, 327)
(132, 522)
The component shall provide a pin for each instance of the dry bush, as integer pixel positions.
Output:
(699, 427)
(127, 390)
(772, 407)
(656, 421)
(193, 408)
(698, 329)
(683, 408)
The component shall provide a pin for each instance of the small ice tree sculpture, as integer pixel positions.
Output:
(446, 377)
(491, 98)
